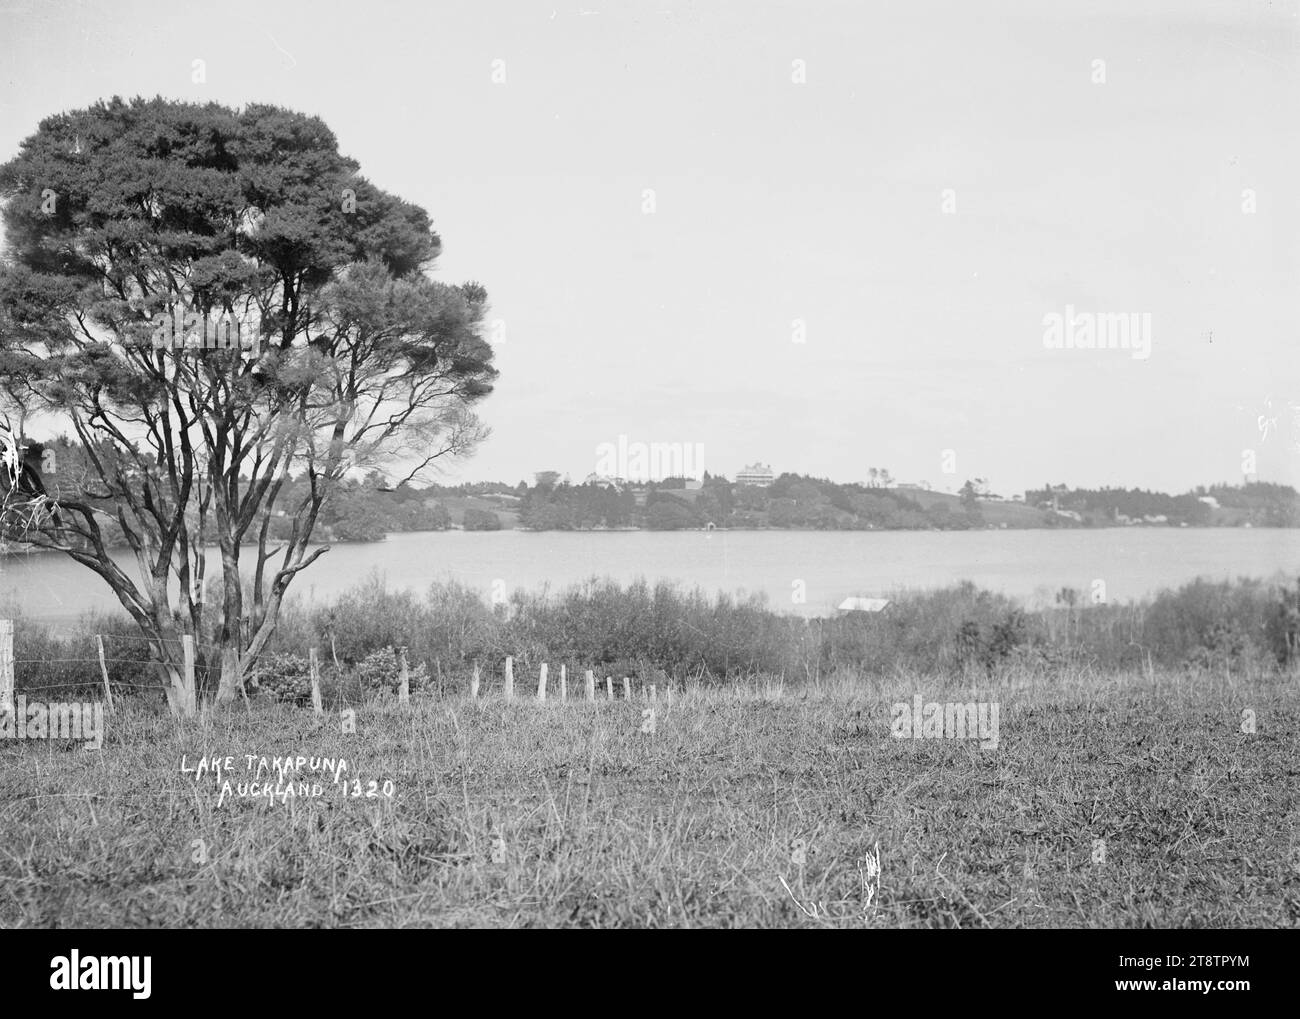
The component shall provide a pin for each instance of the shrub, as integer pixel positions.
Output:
(662, 630)
(1208, 622)
(969, 643)
(1007, 635)
(1223, 645)
(281, 677)
(381, 671)
(481, 520)
(1282, 629)
(53, 667)
(1046, 659)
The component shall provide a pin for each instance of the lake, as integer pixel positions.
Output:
(1028, 564)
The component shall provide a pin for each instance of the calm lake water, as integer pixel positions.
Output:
(1030, 565)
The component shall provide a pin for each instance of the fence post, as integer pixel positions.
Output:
(189, 695)
(627, 689)
(473, 683)
(564, 685)
(404, 679)
(510, 678)
(652, 693)
(541, 683)
(609, 687)
(7, 665)
(103, 668)
(317, 708)
(591, 685)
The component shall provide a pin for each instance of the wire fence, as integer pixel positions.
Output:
(87, 683)
(86, 661)
(197, 674)
(98, 664)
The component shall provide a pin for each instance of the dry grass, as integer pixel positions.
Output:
(600, 824)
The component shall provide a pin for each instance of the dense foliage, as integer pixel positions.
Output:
(1259, 503)
(215, 302)
(661, 632)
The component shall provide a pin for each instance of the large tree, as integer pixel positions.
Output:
(123, 213)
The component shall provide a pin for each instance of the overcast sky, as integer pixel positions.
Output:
(944, 177)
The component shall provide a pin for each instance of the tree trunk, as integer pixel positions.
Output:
(177, 700)
(232, 681)
(230, 635)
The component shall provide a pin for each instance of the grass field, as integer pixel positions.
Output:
(569, 815)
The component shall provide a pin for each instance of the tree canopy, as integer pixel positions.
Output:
(128, 214)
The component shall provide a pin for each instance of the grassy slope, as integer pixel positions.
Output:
(458, 504)
(605, 826)
(993, 513)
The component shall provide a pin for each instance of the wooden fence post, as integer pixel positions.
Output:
(591, 685)
(609, 687)
(317, 708)
(189, 694)
(7, 665)
(627, 689)
(541, 683)
(564, 686)
(473, 683)
(652, 693)
(103, 668)
(510, 678)
(404, 679)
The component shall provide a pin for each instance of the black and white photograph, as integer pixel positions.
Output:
(698, 464)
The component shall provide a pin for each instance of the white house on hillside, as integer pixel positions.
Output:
(756, 474)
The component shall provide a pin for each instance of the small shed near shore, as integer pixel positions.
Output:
(855, 604)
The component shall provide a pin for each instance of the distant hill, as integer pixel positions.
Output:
(365, 510)
(1257, 504)
(995, 513)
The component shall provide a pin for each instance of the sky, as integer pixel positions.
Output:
(824, 236)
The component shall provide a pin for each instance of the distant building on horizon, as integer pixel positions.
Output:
(857, 604)
(756, 474)
(617, 484)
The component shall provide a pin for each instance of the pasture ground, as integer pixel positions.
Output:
(569, 815)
